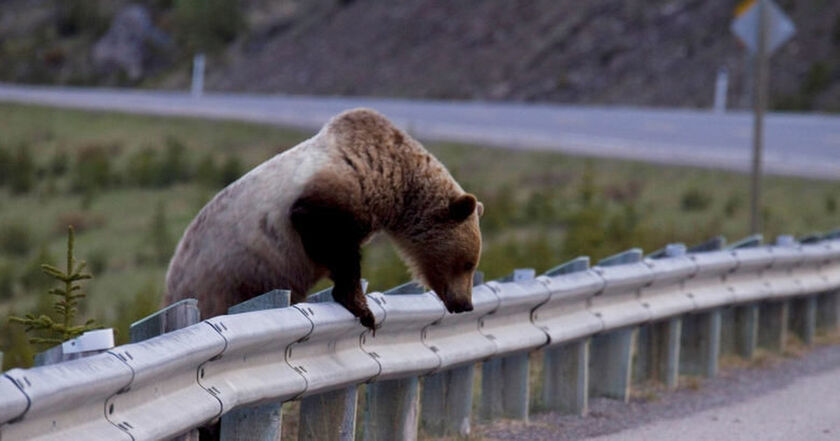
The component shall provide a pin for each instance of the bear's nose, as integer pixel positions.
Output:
(460, 307)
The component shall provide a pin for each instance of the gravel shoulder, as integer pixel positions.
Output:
(741, 396)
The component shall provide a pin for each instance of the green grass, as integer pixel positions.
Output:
(541, 208)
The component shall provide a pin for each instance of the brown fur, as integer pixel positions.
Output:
(375, 178)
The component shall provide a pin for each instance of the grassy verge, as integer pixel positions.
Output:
(130, 185)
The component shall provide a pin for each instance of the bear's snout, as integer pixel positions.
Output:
(456, 307)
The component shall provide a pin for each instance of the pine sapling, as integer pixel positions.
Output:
(66, 304)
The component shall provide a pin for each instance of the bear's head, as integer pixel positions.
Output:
(444, 253)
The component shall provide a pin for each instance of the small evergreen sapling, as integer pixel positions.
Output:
(63, 329)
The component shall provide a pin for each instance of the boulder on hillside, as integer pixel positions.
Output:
(132, 45)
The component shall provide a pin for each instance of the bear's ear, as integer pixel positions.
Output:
(480, 209)
(462, 207)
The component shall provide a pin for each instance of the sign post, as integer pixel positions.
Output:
(762, 27)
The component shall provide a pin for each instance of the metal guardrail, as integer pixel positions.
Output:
(164, 386)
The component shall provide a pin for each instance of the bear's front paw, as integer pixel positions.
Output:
(367, 319)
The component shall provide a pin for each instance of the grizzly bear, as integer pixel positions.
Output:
(304, 214)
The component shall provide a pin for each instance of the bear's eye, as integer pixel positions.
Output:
(469, 266)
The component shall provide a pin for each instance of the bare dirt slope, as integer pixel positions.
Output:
(599, 51)
(630, 52)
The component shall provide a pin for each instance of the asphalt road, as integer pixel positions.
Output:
(796, 144)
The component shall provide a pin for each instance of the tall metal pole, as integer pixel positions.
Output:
(759, 104)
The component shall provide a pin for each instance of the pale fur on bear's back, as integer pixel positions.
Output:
(238, 233)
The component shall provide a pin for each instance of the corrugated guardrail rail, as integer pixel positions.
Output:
(629, 318)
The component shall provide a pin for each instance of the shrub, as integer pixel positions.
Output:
(98, 261)
(830, 203)
(159, 237)
(144, 302)
(7, 281)
(231, 170)
(80, 220)
(588, 189)
(695, 200)
(93, 170)
(207, 173)
(732, 206)
(584, 233)
(79, 16)
(59, 164)
(207, 25)
(499, 209)
(539, 208)
(142, 168)
(32, 278)
(17, 352)
(835, 31)
(173, 167)
(5, 166)
(15, 239)
(22, 171)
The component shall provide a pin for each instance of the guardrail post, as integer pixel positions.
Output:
(176, 316)
(566, 366)
(447, 397)
(504, 381)
(658, 352)
(264, 422)
(611, 354)
(392, 407)
(447, 402)
(828, 311)
(746, 316)
(700, 343)
(611, 364)
(658, 344)
(504, 388)
(566, 378)
(391, 410)
(746, 330)
(330, 416)
(701, 339)
(728, 331)
(773, 325)
(803, 318)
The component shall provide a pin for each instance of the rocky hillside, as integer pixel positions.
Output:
(633, 52)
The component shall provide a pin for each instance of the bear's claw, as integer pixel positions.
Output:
(367, 319)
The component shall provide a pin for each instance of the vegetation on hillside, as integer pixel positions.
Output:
(130, 185)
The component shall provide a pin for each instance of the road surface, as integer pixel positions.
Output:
(796, 144)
